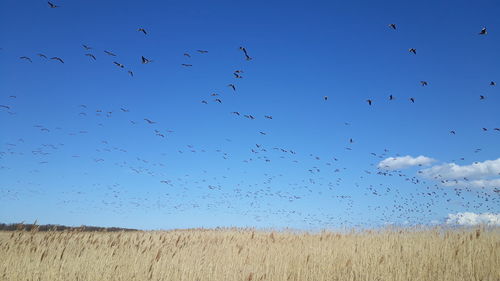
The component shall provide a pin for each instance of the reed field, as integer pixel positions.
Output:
(250, 255)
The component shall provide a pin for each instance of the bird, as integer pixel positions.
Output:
(236, 112)
(246, 54)
(119, 64)
(143, 31)
(91, 56)
(369, 102)
(86, 47)
(232, 86)
(187, 55)
(124, 109)
(262, 133)
(351, 140)
(453, 132)
(218, 100)
(493, 83)
(413, 50)
(131, 73)
(58, 59)
(204, 101)
(496, 129)
(187, 65)
(42, 56)
(424, 83)
(202, 51)
(481, 97)
(268, 116)
(5, 106)
(393, 26)
(412, 100)
(52, 5)
(149, 121)
(483, 31)
(110, 53)
(325, 97)
(26, 58)
(236, 75)
(145, 60)
(485, 129)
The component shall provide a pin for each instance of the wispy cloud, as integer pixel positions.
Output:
(469, 219)
(396, 163)
(478, 174)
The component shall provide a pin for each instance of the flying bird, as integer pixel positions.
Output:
(232, 86)
(4, 106)
(58, 59)
(119, 64)
(52, 5)
(393, 26)
(186, 65)
(485, 129)
(131, 73)
(218, 100)
(391, 97)
(412, 100)
(424, 83)
(204, 101)
(149, 121)
(187, 55)
(236, 75)
(325, 97)
(481, 97)
(412, 50)
(268, 116)
(91, 56)
(42, 56)
(202, 51)
(26, 58)
(145, 60)
(246, 54)
(236, 112)
(86, 47)
(493, 83)
(453, 132)
(143, 31)
(369, 102)
(110, 53)
(483, 31)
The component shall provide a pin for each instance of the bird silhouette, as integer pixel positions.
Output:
(26, 58)
(412, 50)
(232, 86)
(145, 60)
(119, 64)
(493, 83)
(110, 53)
(369, 102)
(149, 121)
(424, 83)
(58, 59)
(52, 5)
(393, 26)
(91, 56)
(143, 31)
(391, 97)
(86, 47)
(483, 31)
(42, 56)
(202, 51)
(412, 100)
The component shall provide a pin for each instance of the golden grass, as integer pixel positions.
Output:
(247, 255)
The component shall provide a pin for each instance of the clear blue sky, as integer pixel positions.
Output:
(64, 163)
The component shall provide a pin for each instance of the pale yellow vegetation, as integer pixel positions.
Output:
(247, 255)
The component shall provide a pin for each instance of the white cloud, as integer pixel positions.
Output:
(478, 170)
(396, 163)
(470, 219)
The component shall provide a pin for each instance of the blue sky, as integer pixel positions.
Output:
(61, 162)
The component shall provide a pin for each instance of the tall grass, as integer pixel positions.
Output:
(247, 255)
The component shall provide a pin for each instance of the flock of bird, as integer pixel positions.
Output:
(325, 176)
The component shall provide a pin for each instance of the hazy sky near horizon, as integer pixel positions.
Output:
(75, 147)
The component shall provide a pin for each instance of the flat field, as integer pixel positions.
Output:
(245, 254)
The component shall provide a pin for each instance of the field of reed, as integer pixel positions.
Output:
(249, 255)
